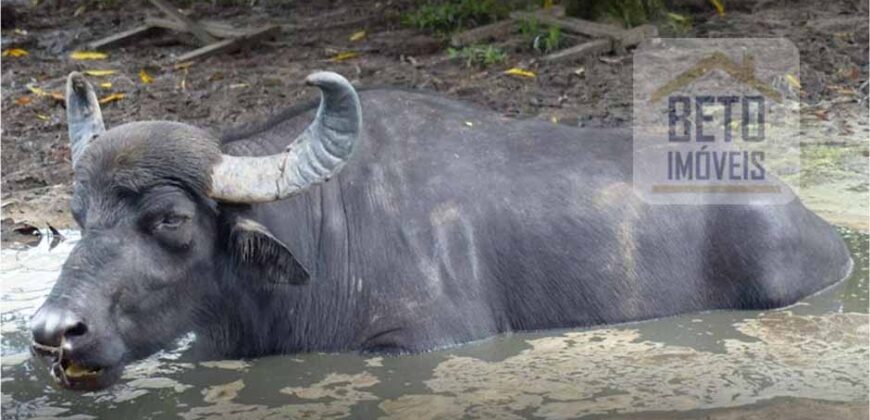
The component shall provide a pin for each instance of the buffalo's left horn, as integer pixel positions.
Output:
(83, 116)
(315, 156)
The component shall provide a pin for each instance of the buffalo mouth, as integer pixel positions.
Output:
(73, 374)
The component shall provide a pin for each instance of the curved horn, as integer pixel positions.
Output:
(315, 156)
(83, 116)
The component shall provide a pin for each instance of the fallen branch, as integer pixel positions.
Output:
(230, 44)
(580, 26)
(193, 27)
(633, 37)
(591, 48)
(213, 28)
(123, 37)
(481, 33)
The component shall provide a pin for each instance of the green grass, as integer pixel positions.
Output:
(451, 16)
(478, 55)
(628, 13)
(823, 162)
(448, 16)
(183, 4)
(543, 40)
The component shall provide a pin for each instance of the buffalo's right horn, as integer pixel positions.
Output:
(313, 157)
(84, 119)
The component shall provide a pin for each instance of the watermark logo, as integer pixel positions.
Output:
(716, 121)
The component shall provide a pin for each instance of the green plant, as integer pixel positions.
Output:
(551, 41)
(543, 41)
(447, 16)
(677, 23)
(182, 4)
(478, 55)
(529, 29)
(629, 13)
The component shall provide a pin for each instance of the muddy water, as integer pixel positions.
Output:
(807, 361)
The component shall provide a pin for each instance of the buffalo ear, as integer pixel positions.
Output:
(255, 247)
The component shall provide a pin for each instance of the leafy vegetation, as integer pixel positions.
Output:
(677, 23)
(543, 40)
(820, 163)
(479, 55)
(447, 16)
(628, 13)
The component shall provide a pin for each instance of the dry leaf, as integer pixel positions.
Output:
(99, 73)
(183, 65)
(611, 60)
(793, 81)
(111, 98)
(357, 36)
(106, 85)
(41, 92)
(35, 90)
(843, 90)
(24, 100)
(720, 8)
(15, 52)
(516, 71)
(79, 11)
(42, 117)
(347, 55)
(145, 77)
(88, 55)
(469, 123)
(678, 18)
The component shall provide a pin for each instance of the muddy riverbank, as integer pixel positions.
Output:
(249, 85)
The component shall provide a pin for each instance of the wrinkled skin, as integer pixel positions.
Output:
(133, 274)
(148, 247)
(434, 234)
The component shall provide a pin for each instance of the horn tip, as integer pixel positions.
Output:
(325, 78)
(77, 83)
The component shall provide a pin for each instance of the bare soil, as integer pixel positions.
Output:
(249, 85)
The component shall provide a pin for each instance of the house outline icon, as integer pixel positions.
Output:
(743, 72)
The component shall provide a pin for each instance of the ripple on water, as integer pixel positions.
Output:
(613, 371)
(811, 356)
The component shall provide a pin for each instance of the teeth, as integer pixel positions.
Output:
(78, 371)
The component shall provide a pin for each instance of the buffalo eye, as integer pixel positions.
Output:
(172, 221)
(173, 230)
(166, 214)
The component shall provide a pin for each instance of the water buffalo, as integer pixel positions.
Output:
(395, 222)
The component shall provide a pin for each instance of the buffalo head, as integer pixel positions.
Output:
(154, 201)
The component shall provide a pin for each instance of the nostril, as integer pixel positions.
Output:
(76, 330)
(51, 325)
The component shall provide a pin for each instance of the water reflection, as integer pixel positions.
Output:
(809, 358)
(24, 235)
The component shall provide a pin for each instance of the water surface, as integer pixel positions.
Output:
(806, 361)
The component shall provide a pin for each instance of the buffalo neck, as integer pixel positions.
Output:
(253, 315)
